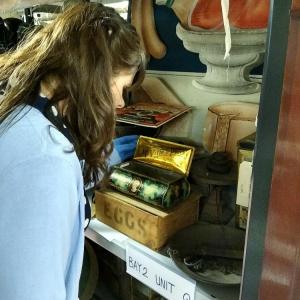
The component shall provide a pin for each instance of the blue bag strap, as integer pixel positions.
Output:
(50, 112)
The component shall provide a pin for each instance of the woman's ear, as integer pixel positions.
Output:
(49, 85)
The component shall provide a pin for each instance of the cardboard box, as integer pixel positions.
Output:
(144, 223)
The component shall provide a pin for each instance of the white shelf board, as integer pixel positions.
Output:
(116, 242)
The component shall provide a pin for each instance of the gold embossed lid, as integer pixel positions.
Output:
(164, 154)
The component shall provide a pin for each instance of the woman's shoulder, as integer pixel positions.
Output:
(29, 134)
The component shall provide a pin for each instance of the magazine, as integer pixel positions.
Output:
(149, 114)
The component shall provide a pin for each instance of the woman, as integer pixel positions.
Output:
(62, 86)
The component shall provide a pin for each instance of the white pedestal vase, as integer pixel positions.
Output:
(230, 76)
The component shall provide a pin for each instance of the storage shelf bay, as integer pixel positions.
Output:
(116, 243)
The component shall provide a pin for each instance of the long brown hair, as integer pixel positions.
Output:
(81, 49)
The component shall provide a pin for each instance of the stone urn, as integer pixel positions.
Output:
(230, 76)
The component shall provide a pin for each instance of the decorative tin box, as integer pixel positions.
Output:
(157, 174)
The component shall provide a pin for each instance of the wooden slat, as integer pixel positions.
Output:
(295, 10)
(136, 203)
(281, 266)
(144, 206)
(296, 5)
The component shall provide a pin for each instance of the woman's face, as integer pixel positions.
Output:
(118, 83)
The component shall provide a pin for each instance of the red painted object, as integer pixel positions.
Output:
(243, 14)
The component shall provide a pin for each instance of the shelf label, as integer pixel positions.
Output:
(158, 277)
(244, 184)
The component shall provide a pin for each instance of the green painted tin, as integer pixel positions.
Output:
(157, 174)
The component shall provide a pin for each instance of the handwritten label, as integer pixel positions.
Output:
(156, 276)
(244, 184)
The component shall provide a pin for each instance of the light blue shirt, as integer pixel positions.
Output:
(41, 211)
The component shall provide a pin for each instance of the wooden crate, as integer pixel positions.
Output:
(144, 223)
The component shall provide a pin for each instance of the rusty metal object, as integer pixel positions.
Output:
(209, 253)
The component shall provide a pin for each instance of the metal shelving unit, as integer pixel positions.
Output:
(116, 243)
